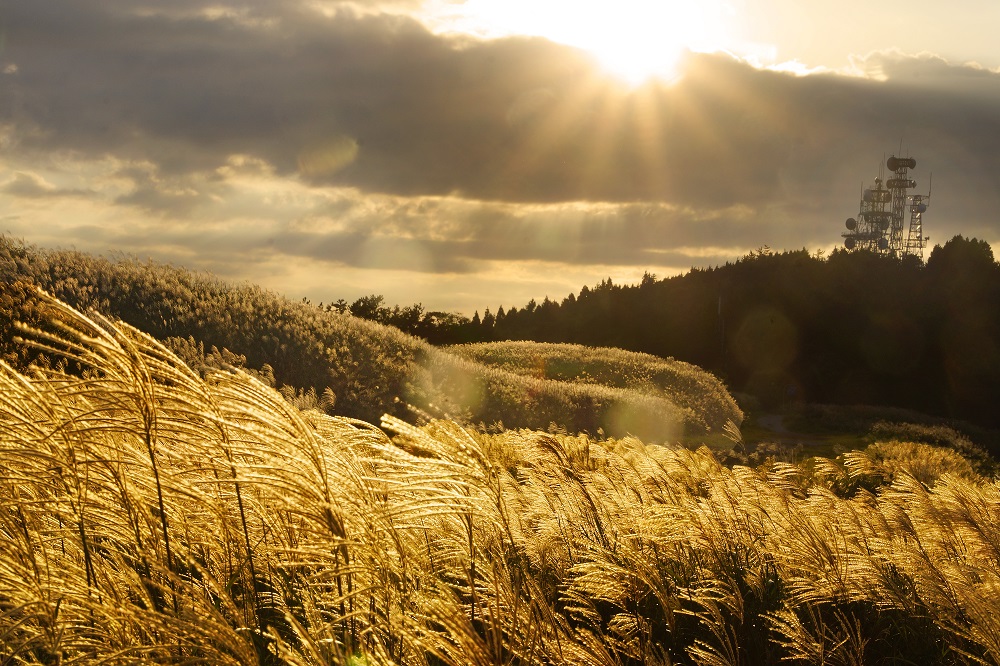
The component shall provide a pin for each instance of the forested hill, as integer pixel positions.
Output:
(851, 328)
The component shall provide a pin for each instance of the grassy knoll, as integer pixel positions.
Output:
(685, 385)
(149, 514)
(346, 365)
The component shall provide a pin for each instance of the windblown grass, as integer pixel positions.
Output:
(150, 515)
(476, 393)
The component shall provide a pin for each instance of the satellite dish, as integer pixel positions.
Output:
(852, 224)
(849, 243)
(883, 244)
(895, 163)
(921, 208)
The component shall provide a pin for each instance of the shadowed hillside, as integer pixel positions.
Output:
(344, 364)
(691, 388)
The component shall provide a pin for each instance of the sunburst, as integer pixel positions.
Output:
(633, 39)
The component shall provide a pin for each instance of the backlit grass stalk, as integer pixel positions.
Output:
(442, 545)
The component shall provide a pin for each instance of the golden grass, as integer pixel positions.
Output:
(148, 515)
(699, 394)
(354, 367)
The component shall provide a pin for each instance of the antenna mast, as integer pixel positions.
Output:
(884, 211)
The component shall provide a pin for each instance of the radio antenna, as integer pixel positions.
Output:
(890, 219)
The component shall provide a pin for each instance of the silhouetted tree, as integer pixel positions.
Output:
(964, 285)
(370, 307)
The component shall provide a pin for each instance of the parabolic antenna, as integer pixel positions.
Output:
(880, 225)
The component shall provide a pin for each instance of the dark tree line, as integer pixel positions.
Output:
(434, 326)
(852, 328)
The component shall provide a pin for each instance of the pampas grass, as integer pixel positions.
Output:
(151, 515)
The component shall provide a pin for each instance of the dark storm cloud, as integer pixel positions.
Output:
(487, 151)
(379, 103)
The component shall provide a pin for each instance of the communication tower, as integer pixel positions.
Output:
(881, 224)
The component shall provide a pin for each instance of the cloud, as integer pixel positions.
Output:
(242, 212)
(378, 103)
(176, 195)
(240, 133)
(28, 185)
(449, 235)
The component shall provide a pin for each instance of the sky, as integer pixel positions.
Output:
(478, 153)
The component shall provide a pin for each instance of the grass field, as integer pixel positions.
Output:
(152, 515)
(352, 367)
(701, 394)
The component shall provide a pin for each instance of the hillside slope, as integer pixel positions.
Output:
(365, 369)
(686, 385)
(793, 327)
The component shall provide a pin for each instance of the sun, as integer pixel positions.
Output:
(633, 39)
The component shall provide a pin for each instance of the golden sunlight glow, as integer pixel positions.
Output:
(633, 39)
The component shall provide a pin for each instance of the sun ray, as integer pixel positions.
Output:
(647, 115)
(556, 128)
